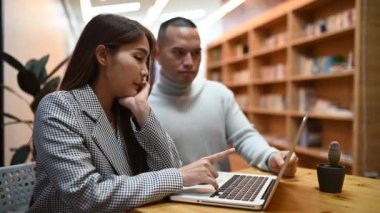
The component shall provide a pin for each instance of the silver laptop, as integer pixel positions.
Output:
(239, 190)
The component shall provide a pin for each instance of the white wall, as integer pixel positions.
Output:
(32, 29)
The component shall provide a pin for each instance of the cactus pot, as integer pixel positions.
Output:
(330, 177)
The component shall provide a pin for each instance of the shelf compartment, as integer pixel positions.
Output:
(318, 134)
(270, 96)
(270, 125)
(271, 67)
(215, 74)
(238, 73)
(324, 96)
(271, 36)
(237, 47)
(321, 17)
(324, 57)
(214, 55)
(242, 97)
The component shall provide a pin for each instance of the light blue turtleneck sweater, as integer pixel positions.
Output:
(203, 118)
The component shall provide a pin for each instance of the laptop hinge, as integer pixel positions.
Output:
(266, 193)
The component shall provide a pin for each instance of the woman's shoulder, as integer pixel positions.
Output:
(56, 96)
(54, 101)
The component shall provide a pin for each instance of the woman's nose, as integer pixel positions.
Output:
(144, 73)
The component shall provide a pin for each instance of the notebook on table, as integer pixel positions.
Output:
(239, 190)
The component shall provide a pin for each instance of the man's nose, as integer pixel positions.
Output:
(188, 59)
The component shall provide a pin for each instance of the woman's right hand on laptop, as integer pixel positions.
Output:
(203, 171)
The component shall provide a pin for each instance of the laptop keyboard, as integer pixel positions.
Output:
(241, 187)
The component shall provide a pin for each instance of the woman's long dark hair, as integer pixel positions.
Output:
(111, 31)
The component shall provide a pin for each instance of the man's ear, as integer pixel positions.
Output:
(101, 54)
(157, 55)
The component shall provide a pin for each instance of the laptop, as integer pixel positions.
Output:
(239, 190)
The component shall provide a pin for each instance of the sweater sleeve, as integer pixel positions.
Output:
(243, 136)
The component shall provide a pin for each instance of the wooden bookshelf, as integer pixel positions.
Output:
(315, 56)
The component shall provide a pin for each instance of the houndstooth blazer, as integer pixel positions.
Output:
(82, 164)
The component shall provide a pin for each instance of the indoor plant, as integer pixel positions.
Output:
(33, 80)
(331, 175)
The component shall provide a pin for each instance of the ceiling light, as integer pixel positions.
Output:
(222, 11)
(189, 14)
(154, 12)
(88, 11)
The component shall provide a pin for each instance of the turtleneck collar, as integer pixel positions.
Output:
(170, 87)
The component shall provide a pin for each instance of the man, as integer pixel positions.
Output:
(202, 116)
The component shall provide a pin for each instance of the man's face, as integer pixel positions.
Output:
(180, 54)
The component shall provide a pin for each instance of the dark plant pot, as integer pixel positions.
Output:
(330, 177)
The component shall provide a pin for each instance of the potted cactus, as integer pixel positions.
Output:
(331, 175)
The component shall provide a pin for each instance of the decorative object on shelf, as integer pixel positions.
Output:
(33, 80)
(331, 175)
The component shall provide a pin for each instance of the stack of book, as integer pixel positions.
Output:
(331, 23)
(273, 102)
(272, 72)
(323, 65)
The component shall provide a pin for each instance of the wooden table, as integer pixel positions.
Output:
(298, 194)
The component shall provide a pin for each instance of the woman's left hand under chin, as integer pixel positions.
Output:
(138, 104)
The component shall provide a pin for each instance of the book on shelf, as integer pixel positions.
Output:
(216, 76)
(335, 22)
(216, 55)
(240, 76)
(324, 64)
(242, 100)
(272, 72)
(306, 99)
(310, 102)
(241, 49)
(312, 135)
(273, 102)
(275, 40)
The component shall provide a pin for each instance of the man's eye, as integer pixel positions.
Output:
(196, 53)
(180, 53)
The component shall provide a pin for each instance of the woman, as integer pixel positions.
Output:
(99, 146)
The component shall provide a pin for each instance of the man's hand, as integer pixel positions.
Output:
(203, 171)
(138, 104)
(278, 159)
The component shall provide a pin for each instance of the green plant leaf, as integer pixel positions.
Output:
(49, 87)
(21, 154)
(38, 67)
(17, 120)
(14, 92)
(12, 61)
(63, 62)
(28, 82)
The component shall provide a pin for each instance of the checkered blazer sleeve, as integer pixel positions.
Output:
(159, 146)
(74, 183)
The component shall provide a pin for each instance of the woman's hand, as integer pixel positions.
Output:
(203, 171)
(138, 104)
(277, 160)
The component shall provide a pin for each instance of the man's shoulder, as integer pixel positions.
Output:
(217, 87)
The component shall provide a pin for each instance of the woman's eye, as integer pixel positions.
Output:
(139, 58)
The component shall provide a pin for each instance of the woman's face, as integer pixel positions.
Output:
(126, 71)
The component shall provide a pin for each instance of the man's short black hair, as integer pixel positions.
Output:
(177, 22)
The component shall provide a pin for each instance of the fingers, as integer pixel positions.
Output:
(144, 91)
(220, 155)
(278, 160)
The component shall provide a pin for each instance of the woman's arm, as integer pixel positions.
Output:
(60, 145)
